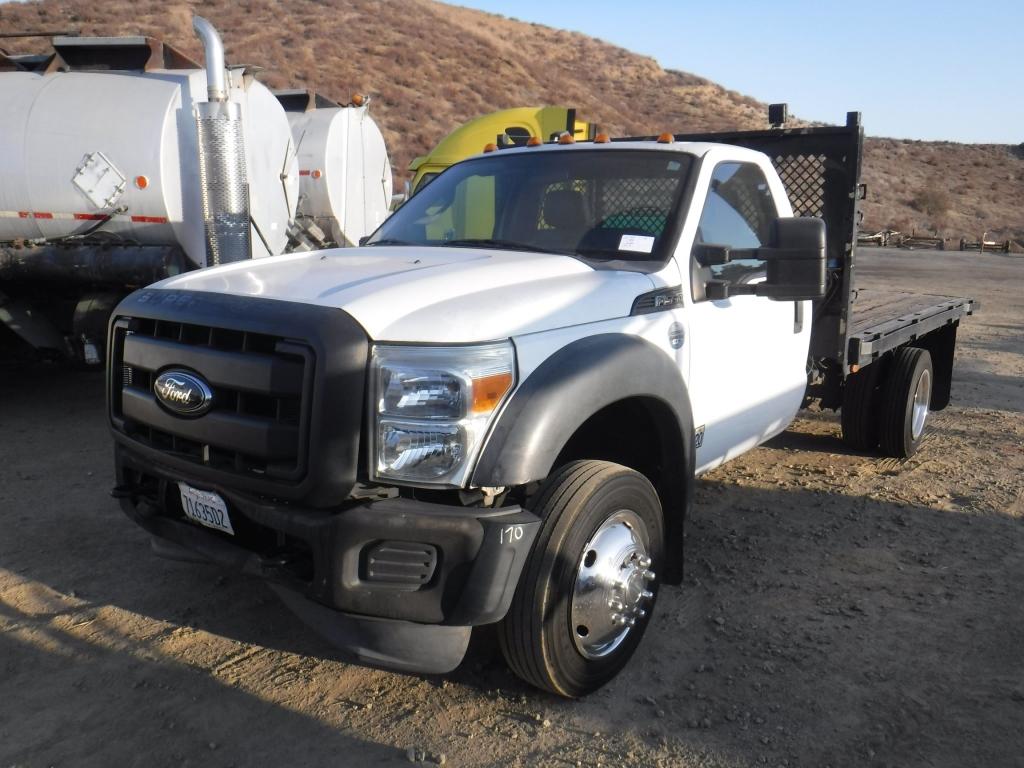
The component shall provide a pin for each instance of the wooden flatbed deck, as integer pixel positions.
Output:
(882, 320)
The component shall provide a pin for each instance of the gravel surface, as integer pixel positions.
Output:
(839, 609)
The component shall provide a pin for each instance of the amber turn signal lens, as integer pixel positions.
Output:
(602, 138)
(141, 182)
(534, 141)
(490, 147)
(566, 138)
(488, 391)
(666, 138)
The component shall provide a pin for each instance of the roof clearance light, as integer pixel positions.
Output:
(666, 138)
(566, 138)
(602, 138)
(534, 141)
(490, 147)
(358, 99)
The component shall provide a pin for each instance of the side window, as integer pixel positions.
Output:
(738, 212)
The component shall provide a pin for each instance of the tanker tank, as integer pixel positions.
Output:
(114, 155)
(123, 161)
(344, 171)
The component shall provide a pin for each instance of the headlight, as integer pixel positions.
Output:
(433, 406)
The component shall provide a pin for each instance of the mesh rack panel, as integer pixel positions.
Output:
(804, 178)
(637, 203)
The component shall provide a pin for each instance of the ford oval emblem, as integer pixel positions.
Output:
(183, 393)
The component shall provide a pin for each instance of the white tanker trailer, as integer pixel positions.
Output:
(345, 182)
(123, 162)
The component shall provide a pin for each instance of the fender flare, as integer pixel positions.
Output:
(572, 385)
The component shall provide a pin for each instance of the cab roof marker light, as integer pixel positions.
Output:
(566, 138)
(666, 138)
(492, 147)
(602, 138)
(534, 141)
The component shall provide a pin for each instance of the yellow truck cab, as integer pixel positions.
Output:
(506, 127)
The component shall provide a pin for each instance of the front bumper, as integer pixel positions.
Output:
(395, 583)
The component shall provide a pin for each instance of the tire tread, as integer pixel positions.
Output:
(895, 394)
(859, 414)
(521, 625)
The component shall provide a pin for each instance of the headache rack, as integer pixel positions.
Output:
(820, 168)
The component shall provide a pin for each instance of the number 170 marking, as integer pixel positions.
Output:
(510, 533)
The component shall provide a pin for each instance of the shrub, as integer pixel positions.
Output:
(934, 202)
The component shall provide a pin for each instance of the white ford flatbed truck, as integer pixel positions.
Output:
(494, 411)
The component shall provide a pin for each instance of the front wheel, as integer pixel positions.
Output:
(589, 584)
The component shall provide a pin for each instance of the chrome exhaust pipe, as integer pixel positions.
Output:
(213, 52)
(223, 176)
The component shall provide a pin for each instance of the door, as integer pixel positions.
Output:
(748, 353)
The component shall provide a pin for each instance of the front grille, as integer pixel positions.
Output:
(287, 380)
(261, 383)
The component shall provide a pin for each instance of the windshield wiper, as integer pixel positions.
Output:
(510, 245)
(391, 241)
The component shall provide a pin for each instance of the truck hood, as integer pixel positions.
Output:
(433, 295)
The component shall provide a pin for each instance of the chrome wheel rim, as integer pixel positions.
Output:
(612, 589)
(922, 396)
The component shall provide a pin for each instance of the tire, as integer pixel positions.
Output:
(588, 509)
(859, 415)
(909, 383)
(89, 329)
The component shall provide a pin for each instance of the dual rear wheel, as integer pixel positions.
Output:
(886, 405)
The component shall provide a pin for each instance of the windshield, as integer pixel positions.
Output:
(602, 204)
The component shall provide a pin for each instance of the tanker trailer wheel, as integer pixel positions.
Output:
(906, 396)
(859, 414)
(589, 583)
(89, 328)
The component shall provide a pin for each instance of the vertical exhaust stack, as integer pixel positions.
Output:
(222, 171)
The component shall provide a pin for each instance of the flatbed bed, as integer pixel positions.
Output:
(880, 321)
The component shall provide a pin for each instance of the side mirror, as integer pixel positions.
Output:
(796, 268)
(363, 240)
(795, 263)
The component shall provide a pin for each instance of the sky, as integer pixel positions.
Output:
(920, 70)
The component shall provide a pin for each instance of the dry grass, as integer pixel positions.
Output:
(431, 66)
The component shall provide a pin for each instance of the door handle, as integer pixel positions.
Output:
(798, 316)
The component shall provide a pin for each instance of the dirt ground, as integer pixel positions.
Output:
(839, 609)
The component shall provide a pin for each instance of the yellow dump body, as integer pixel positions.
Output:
(513, 126)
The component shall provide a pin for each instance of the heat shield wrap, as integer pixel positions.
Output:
(224, 181)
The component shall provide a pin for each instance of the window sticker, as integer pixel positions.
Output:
(637, 243)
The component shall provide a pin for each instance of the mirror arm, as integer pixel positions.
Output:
(723, 289)
(711, 255)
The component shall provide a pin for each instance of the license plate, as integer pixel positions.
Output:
(205, 508)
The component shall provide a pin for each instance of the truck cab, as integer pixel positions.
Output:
(494, 411)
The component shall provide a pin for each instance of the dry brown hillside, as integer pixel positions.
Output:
(431, 66)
